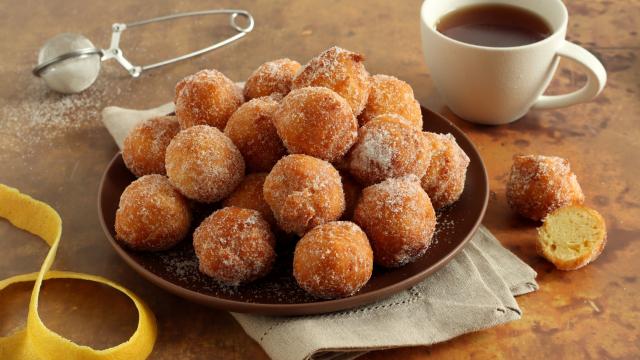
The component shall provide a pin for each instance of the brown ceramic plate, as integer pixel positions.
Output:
(176, 270)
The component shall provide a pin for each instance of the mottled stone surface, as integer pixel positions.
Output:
(55, 149)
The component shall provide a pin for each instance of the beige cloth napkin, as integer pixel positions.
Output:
(472, 292)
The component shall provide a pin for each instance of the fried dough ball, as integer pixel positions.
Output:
(540, 184)
(145, 146)
(303, 192)
(388, 147)
(206, 98)
(447, 172)
(248, 195)
(271, 77)
(204, 164)
(234, 246)
(152, 215)
(316, 121)
(341, 71)
(352, 192)
(333, 260)
(398, 218)
(390, 95)
(251, 130)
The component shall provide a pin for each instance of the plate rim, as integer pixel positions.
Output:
(309, 308)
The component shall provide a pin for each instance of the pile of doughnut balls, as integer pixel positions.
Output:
(323, 151)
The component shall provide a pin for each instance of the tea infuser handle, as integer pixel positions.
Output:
(596, 79)
(114, 51)
(79, 54)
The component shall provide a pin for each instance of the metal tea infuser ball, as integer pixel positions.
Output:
(70, 63)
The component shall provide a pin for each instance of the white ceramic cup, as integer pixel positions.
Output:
(498, 85)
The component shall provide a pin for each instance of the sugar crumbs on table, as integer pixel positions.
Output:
(40, 114)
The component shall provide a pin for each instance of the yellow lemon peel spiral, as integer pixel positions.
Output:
(35, 341)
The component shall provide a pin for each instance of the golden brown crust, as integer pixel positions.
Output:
(248, 195)
(234, 246)
(539, 184)
(152, 215)
(398, 218)
(206, 98)
(390, 95)
(303, 192)
(316, 121)
(204, 164)
(252, 131)
(145, 146)
(387, 147)
(333, 260)
(272, 77)
(341, 71)
(447, 171)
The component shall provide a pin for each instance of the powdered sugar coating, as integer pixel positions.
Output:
(333, 260)
(395, 118)
(316, 121)
(539, 184)
(145, 146)
(206, 98)
(303, 192)
(387, 147)
(271, 77)
(251, 129)
(447, 172)
(398, 218)
(341, 71)
(152, 215)
(248, 195)
(234, 246)
(204, 164)
(390, 95)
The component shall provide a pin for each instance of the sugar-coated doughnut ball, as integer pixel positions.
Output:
(248, 195)
(352, 192)
(316, 121)
(396, 118)
(251, 129)
(447, 172)
(152, 215)
(204, 164)
(145, 146)
(539, 184)
(390, 95)
(398, 218)
(303, 192)
(206, 98)
(234, 246)
(341, 71)
(272, 77)
(388, 147)
(333, 260)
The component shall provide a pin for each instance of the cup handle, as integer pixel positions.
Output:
(596, 79)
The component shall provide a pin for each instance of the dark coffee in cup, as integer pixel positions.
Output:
(494, 25)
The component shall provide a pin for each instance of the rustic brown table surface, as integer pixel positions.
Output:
(54, 148)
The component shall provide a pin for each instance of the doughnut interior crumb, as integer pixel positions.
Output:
(572, 237)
